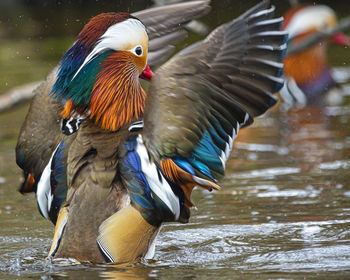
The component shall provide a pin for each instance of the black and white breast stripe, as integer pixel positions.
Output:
(71, 125)
(136, 126)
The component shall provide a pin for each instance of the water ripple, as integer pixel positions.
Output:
(345, 164)
(264, 173)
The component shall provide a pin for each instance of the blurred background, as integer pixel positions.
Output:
(284, 209)
(34, 34)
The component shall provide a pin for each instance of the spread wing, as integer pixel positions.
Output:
(201, 97)
(165, 26)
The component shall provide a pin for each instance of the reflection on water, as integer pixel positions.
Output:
(283, 212)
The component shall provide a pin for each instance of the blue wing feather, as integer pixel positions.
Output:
(58, 181)
(217, 139)
(151, 207)
(185, 165)
(207, 152)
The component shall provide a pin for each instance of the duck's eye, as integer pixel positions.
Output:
(138, 51)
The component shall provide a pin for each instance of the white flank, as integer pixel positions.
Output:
(161, 189)
(43, 192)
(120, 36)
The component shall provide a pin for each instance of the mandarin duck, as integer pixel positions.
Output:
(109, 163)
(309, 77)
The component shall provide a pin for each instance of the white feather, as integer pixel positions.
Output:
(268, 21)
(263, 12)
(43, 192)
(269, 33)
(161, 189)
(225, 154)
(223, 158)
(136, 125)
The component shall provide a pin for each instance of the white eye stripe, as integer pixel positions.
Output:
(313, 16)
(117, 37)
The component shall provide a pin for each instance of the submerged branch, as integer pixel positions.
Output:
(17, 95)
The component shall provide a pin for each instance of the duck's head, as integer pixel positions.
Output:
(304, 20)
(99, 74)
(311, 64)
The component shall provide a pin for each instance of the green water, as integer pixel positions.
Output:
(283, 212)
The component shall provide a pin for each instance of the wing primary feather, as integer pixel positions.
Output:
(261, 15)
(165, 26)
(231, 76)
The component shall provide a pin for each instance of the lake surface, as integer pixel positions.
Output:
(283, 211)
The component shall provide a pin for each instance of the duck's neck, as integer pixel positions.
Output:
(117, 97)
(310, 70)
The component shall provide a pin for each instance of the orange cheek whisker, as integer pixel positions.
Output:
(117, 96)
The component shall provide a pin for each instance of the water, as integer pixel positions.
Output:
(283, 211)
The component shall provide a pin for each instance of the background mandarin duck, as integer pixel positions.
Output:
(110, 166)
(309, 74)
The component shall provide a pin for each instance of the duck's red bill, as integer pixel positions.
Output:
(341, 39)
(147, 74)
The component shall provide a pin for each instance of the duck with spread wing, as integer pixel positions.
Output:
(110, 163)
